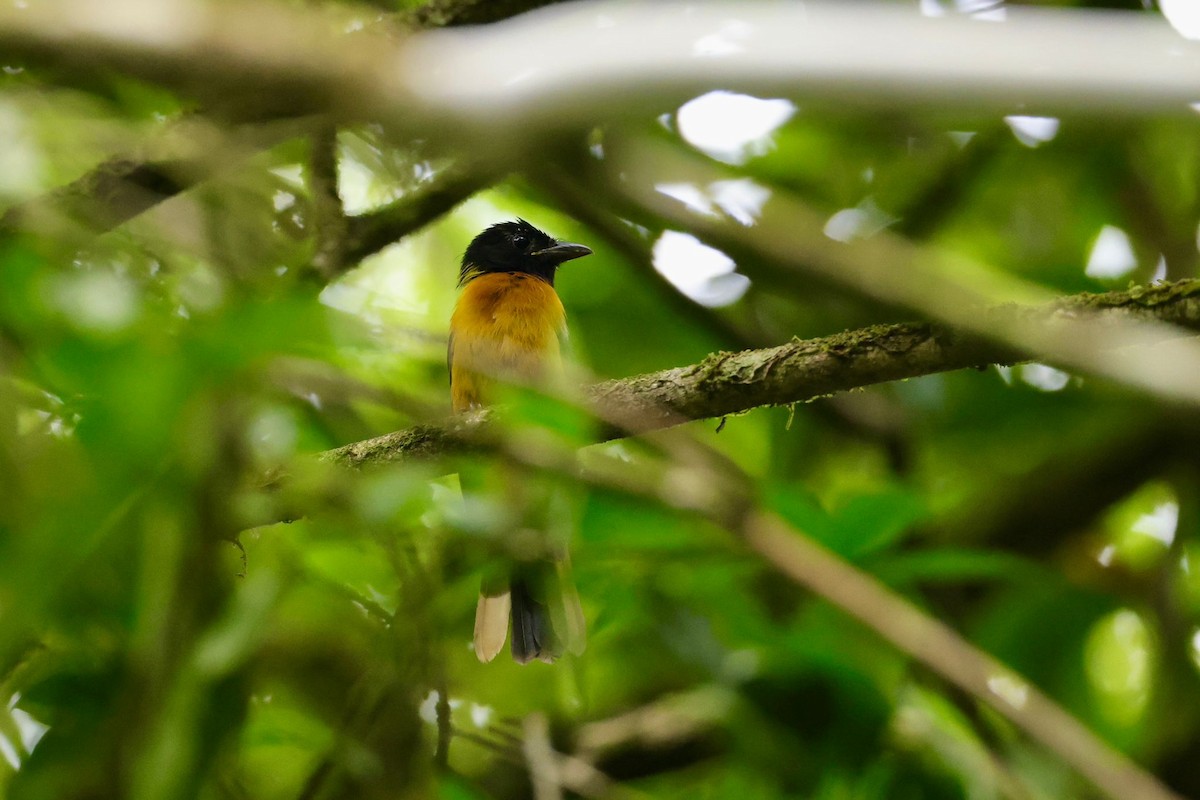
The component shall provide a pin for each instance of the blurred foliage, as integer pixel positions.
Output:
(164, 635)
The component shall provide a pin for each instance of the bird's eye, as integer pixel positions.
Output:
(520, 242)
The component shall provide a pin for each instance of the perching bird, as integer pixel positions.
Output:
(508, 324)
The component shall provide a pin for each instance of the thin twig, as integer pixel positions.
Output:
(441, 757)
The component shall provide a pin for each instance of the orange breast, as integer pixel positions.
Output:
(505, 325)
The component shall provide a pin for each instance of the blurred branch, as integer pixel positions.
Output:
(123, 187)
(112, 193)
(558, 70)
(445, 731)
(672, 732)
(126, 186)
(945, 286)
(576, 773)
(551, 772)
(711, 487)
(575, 200)
(255, 58)
(371, 232)
(493, 86)
(731, 383)
(944, 194)
(940, 648)
(448, 13)
(543, 766)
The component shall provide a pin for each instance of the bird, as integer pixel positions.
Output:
(509, 324)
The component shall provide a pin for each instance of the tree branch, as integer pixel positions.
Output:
(799, 371)
(126, 186)
(328, 211)
(939, 284)
(551, 71)
(940, 648)
(371, 232)
(451, 13)
(112, 193)
(475, 87)
(189, 151)
(723, 494)
(576, 201)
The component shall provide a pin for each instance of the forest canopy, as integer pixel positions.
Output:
(876, 448)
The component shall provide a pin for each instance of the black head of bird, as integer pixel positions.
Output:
(517, 246)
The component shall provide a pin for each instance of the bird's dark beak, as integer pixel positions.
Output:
(563, 251)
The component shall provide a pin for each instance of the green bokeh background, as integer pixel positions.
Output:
(164, 636)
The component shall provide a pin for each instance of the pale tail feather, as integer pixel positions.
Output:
(491, 624)
(545, 612)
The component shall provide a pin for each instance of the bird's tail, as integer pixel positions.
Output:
(546, 616)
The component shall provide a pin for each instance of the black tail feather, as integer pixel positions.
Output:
(532, 630)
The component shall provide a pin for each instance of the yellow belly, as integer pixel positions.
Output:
(505, 326)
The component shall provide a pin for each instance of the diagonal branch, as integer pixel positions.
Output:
(802, 370)
(371, 232)
(723, 494)
(941, 649)
(187, 152)
(109, 195)
(125, 186)
(476, 88)
(942, 285)
(582, 206)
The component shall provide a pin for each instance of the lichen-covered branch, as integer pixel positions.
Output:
(799, 371)
(420, 441)
(938, 284)
(729, 383)
(328, 211)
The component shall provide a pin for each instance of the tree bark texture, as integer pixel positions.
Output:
(799, 371)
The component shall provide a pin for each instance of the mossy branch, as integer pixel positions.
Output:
(801, 370)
